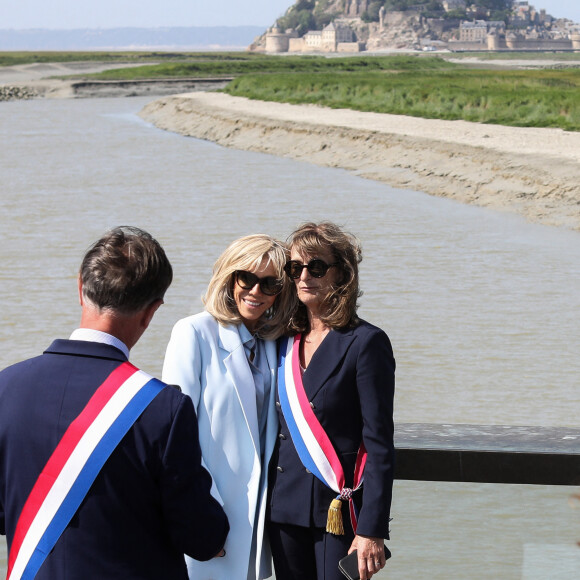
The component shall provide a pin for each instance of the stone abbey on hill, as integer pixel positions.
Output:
(454, 25)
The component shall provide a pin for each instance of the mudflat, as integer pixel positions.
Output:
(529, 171)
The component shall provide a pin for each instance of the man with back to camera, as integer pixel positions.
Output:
(100, 465)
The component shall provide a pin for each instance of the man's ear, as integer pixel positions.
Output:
(80, 286)
(150, 311)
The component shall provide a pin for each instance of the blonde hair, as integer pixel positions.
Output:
(248, 253)
(340, 305)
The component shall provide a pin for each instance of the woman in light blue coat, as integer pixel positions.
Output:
(225, 360)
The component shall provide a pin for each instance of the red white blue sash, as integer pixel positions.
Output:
(310, 440)
(75, 463)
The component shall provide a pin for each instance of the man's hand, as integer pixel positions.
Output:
(371, 555)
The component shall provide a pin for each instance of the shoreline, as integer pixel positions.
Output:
(528, 171)
(41, 81)
(90, 89)
(532, 172)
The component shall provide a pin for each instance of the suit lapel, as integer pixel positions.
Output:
(238, 368)
(326, 358)
(272, 418)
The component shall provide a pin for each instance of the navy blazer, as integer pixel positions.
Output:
(350, 383)
(151, 501)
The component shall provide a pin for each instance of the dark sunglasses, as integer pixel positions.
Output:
(270, 286)
(316, 268)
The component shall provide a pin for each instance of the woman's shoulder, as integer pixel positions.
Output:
(205, 327)
(200, 321)
(364, 327)
(369, 333)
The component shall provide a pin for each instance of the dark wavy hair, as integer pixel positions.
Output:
(125, 271)
(340, 305)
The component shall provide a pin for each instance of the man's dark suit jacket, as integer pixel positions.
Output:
(150, 503)
(350, 384)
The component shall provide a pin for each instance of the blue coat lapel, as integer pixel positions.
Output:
(239, 370)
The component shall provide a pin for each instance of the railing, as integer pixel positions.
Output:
(473, 502)
(476, 502)
(488, 454)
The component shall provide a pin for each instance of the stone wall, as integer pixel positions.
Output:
(525, 44)
(295, 44)
(277, 42)
(15, 93)
(350, 47)
(460, 45)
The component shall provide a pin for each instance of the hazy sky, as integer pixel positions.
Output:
(60, 14)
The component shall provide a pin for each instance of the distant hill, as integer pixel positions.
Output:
(306, 15)
(415, 24)
(172, 38)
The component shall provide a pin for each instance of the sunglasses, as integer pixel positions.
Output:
(270, 286)
(316, 268)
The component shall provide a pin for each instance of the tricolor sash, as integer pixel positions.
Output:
(311, 441)
(75, 463)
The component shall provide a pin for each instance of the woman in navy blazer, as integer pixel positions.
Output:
(225, 360)
(347, 371)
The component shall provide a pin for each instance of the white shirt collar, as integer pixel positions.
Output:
(91, 335)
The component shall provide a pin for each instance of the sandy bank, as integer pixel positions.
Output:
(38, 80)
(533, 172)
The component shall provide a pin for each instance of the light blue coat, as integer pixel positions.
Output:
(209, 363)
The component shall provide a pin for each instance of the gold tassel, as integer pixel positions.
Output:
(334, 522)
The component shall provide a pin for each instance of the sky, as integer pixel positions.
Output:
(67, 14)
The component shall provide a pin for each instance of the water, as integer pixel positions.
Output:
(482, 308)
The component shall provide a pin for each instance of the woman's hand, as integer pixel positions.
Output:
(371, 555)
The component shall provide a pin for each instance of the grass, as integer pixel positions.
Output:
(521, 98)
(25, 57)
(266, 64)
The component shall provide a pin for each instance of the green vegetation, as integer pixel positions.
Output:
(307, 15)
(267, 64)
(521, 98)
(20, 58)
(417, 85)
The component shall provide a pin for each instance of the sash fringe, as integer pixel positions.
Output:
(334, 523)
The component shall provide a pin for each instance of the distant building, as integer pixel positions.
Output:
(478, 30)
(313, 40)
(335, 37)
(278, 41)
(449, 5)
(333, 34)
(521, 6)
(527, 29)
(473, 31)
